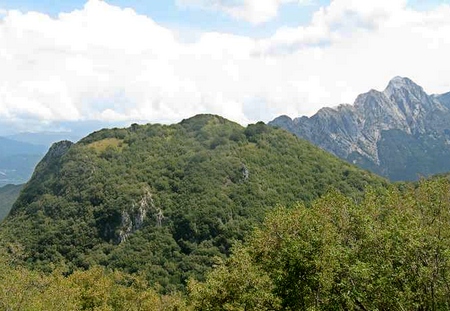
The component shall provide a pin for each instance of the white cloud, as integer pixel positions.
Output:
(342, 18)
(107, 63)
(253, 11)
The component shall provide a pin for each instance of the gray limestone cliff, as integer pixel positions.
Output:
(401, 133)
(133, 218)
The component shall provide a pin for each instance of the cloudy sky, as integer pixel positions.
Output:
(247, 60)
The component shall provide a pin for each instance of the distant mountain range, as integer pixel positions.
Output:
(401, 133)
(20, 152)
(17, 160)
(44, 138)
(55, 131)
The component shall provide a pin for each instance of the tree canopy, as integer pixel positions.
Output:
(166, 200)
(389, 252)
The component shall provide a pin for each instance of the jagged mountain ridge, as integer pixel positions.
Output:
(165, 200)
(400, 133)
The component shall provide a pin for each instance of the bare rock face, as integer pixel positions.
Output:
(360, 133)
(56, 151)
(53, 156)
(444, 99)
(59, 149)
(133, 219)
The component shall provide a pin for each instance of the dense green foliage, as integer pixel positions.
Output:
(96, 289)
(8, 195)
(165, 200)
(390, 252)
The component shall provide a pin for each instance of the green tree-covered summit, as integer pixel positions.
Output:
(164, 200)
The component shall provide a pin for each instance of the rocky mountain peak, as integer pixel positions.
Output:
(283, 118)
(378, 111)
(403, 85)
(371, 98)
(381, 126)
(59, 149)
(398, 82)
(416, 105)
(405, 91)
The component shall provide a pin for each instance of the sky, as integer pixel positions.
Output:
(160, 61)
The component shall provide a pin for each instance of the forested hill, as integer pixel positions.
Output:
(164, 200)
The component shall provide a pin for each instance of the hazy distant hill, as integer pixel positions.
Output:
(44, 138)
(20, 152)
(17, 160)
(69, 130)
(401, 133)
(9, 147)
(165, 200)
(8, 195)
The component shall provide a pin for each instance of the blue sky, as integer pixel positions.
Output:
(167, 12)
(247, 60)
